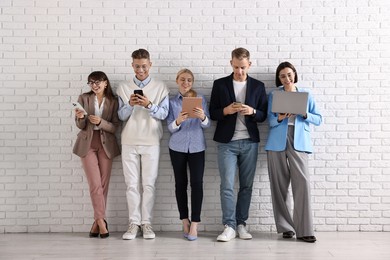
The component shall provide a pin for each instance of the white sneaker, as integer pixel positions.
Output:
(148, 231)
(131, 232)
(227, 234)
(243, 233)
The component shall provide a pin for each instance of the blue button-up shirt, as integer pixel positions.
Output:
(142, 83)
(188, 137)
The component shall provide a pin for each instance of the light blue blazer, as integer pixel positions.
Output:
(277, 135)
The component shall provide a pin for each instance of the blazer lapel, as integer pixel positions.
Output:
(248, 93)
(231, 89)
(91, 104)
(106, 108)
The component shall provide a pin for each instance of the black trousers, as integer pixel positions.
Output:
(195, 162)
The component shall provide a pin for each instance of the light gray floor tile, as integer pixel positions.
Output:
(172, 246)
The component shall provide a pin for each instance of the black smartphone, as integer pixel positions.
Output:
(139, 92)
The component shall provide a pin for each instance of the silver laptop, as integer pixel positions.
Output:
(289, 102)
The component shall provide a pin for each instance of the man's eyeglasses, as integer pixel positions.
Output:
(96, 82)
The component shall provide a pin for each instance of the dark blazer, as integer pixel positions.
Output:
(223, 95)
(108, 127)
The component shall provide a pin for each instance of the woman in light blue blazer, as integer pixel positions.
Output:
(287, 147)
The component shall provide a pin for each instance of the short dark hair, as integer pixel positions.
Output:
(140, 54)
(282, 66)
(100, 75)
(240, 53)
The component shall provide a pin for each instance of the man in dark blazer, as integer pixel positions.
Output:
(238, 102)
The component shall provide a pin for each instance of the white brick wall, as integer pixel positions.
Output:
(48, 48)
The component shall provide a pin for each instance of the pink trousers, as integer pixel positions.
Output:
(97, 168)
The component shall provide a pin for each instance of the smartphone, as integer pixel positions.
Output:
(139, 92)
(77, 105)
(237, 104)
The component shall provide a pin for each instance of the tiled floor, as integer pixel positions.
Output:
(170, 245)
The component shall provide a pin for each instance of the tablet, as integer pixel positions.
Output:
(189, 103)
(77, 105)
(289, 102)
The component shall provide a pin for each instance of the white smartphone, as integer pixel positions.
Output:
(76, 105)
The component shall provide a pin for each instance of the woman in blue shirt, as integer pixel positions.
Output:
(187, 146)
(287, 147)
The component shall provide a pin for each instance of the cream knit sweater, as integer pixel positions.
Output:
(141, 128)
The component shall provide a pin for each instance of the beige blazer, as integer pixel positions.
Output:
(108, 127)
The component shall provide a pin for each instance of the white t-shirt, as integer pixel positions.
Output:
(241, 131)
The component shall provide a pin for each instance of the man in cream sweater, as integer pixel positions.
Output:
(141, 141)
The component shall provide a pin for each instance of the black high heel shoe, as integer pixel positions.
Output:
(105, 235)
(91, 234)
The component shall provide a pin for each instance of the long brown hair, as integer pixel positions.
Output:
(100, 75)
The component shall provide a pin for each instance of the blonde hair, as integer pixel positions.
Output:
(191, 93)
(240, 53)
(182, 71)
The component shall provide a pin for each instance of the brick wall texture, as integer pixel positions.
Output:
(48, 48)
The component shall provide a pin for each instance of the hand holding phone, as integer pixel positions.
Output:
(138, 92)
(237, 105)
(78, 106)
(138, 98)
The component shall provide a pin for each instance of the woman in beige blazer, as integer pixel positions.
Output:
(96, 144)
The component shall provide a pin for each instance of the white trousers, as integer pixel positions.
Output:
(140, 169)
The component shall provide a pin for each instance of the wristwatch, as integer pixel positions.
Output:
(254, 112)
(149, 106)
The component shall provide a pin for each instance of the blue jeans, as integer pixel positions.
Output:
(241, 153)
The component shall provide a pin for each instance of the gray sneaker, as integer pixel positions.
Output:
(243, 233)
(148, 231)
(131, 232)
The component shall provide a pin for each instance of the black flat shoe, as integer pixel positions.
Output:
(91, 234)
(308, 239)
(105, 235)
(288, 234)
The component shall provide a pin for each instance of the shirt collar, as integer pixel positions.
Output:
(143, 83)
(179, 95)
